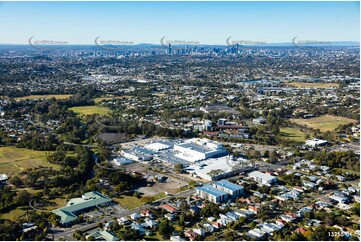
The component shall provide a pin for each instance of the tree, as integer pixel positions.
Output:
(42, 225)
(356, 209)
(136, 194)
(321, 233)
(192, 183)
(91, 238)
(15, 180)
(165, 229)
(266, 154)
(273, 157)
(22, 198)
(147, 199)
(297, 237)
(255, 154)
(178, 167)
(121, 187)
(210, 209)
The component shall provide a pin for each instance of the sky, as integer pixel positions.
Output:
(203, 22)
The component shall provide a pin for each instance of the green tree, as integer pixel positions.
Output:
(22, 198)
(165, 229)
(210, 209)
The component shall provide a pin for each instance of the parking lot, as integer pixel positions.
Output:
(140, 142)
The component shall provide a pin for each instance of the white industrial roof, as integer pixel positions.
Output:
(263, 176)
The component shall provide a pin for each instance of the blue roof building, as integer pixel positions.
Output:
(232, 189)
(212, 194)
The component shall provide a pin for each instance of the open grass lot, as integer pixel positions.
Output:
(312, 85)
(88, 110)
(56, 96)
(160, 94)
(293, 134)
(16, 213)
(20, 211)
(159, 196)
(107, 98)
(128, 202)
(324, 123)
(13, 160)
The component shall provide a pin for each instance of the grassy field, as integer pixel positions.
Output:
(13, 160)
(160, 94)
(324, 123)
(312, 85)
(293, 134)
(107, 98)
(88, 110)
(159, 196)
(129, 202)
(15, 213)
(56, 96)
(20, 211)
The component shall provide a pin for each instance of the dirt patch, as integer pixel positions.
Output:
(172, 186)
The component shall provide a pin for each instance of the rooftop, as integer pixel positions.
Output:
(211, 190)
(263, 176)
(228, 185)
(88, 200)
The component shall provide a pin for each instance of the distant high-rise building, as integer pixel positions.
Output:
(169, 49)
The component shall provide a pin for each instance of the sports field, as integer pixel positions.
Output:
(324, 123)
(88, 110)
(13, 160)
(313, 84)
(56, 96)
(293, 134)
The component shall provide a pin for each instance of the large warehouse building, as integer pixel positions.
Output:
(194, 150)
(214, 169)
(220, 191)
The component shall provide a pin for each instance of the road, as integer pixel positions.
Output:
(345, 147)
(67, 233)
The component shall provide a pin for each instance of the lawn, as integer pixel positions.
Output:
(15, 213)
(56, 96)
(13, 160)
(313, 85)
(88, 110)
(20, 211)
(160, 94)
(107, 98)
(324, 123)
(129, 202)
(293, 134)
(159, 196)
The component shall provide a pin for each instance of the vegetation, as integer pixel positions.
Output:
(14, 160)
(312, 84)
(56, 96)
(324, 123)
(89, 110)
(293, 134)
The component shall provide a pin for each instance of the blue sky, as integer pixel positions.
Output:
(205, 22)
